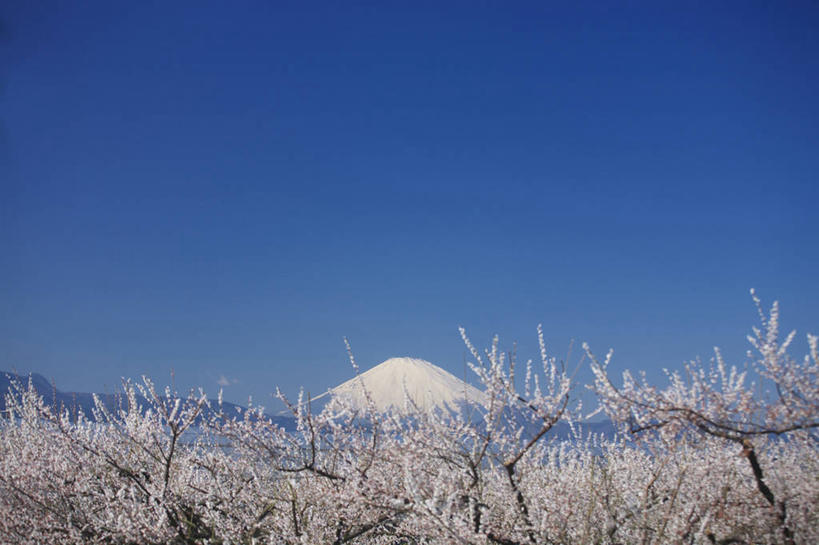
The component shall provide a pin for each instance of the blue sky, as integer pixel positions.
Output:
(229, 190)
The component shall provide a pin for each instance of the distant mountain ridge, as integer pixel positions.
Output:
(85, 401)
(430, 387)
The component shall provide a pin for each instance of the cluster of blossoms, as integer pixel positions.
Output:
(706, 460)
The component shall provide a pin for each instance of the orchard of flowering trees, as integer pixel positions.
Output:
(717, 456)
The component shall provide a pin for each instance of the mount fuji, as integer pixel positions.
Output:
(390, 384)
(432, 390)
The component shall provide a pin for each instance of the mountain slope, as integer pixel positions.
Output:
(390, 382)
(434, 389)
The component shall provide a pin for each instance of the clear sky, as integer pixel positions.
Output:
(229, 189)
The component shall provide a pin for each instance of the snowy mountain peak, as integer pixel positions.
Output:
(427, 385)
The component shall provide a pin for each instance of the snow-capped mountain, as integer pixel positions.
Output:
(389, 383)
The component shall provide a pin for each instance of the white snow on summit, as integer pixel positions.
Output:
(429, 387)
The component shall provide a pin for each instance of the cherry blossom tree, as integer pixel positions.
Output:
(721, 403)
(706, 460)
